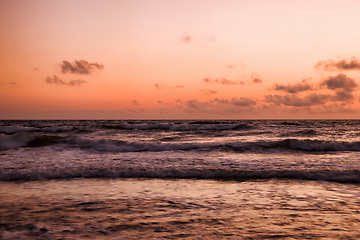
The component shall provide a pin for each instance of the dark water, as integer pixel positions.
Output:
(230, 150)
(230, 179)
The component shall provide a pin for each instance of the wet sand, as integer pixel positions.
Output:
(172, 209)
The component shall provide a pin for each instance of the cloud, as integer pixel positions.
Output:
(228, 82)
(331, 65)
(56, 80)
(163, 86)
(186, 38)
(225, 101)
(255, 78)
(342, 85)
(195, 104)
(220, 103)
(6, 83)
(218, 106)
(167, 104)
(80, 67)
(243, 102)
(296, 101)
(340, 81)
(343, 96)
(302, 86)
(207, 80)
(208, 91)
(159, 86)
(223, 81)
(135, 102)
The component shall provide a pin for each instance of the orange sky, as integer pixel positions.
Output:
(229, 59)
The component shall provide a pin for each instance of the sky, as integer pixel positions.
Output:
(179, 59)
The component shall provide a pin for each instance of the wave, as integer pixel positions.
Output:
(107, 145)
(192, 126)
(23, 129)
(258, 146)
(144, 127)
(307, 132)
(28, 140)
(346, 176)
(16, 129)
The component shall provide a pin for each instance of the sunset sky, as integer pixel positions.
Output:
(172, 59)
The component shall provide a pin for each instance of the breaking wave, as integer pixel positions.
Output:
(287, 144)
(107, 145)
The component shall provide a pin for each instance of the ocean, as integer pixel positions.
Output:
(171, 179)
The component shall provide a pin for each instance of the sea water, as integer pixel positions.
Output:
(228, 179)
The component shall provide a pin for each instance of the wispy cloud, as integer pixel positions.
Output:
(232, 65)
(228, 82)
(344, 64)
(6, 83)
(164, 103)
(80, 67)
(223, 81)
(207, 80)
(302, 86)
(58, 81)
(208, 91)
(186, 37)
(160, 86)
(255, 78)
(238, 102)
(135, 102)
(163, 86)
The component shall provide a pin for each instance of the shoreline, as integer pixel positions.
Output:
(151, 208)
